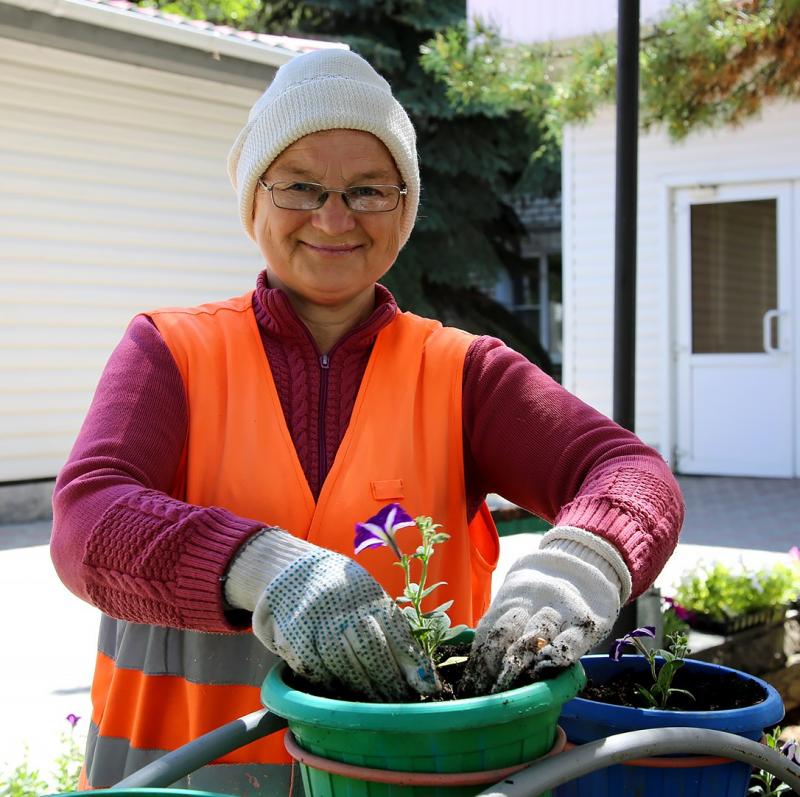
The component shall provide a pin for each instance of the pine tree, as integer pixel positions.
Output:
(471, 161)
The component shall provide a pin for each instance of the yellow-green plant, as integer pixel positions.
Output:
(720, 592)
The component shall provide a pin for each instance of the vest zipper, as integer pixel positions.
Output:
(324, 364)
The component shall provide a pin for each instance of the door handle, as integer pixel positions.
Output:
(766, 331)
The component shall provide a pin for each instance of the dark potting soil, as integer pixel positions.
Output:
(450, 676)
(711, 692)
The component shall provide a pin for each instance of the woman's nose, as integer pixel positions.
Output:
(334, 217)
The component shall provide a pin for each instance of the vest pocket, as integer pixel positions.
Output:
(386, 489)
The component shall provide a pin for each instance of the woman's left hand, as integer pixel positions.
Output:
(551, 609)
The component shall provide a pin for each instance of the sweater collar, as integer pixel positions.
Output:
(276, 316)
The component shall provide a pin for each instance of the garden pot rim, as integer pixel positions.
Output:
(482, 777)
(763, 714)
(469, 712)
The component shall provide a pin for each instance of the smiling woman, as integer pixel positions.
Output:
(231, 448)
(328, 258)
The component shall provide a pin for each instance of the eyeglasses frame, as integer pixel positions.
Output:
(402, 191)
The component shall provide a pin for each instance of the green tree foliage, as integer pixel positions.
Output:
(703, 64)
(472, 159)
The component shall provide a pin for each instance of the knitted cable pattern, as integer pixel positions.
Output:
(635, 510)
(150, 576)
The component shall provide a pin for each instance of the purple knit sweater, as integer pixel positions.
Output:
(123, 544)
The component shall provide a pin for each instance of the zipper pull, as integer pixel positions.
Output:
(324, 362)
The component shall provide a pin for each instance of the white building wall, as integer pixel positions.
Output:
(761, 150)
(546, 21)
(114, 198)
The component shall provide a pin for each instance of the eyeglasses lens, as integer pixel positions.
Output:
(361, 198)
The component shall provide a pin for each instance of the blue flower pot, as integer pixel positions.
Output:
(586, 721)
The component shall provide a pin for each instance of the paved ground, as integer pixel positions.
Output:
(742, 513)
(47, 661)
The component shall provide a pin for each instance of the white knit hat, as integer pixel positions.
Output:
(323, 90)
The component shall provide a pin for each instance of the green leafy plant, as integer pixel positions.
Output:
(659, 693)
(23, 781)
(765, 784)
(28, 781)
(69, 761)
(721, 592)
(430, 628)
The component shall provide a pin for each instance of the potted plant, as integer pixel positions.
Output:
(762, 782)
(430, 747)
(723, 600)
(659, 689)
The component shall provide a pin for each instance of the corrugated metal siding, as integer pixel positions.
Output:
(114, 199)
(762, 149)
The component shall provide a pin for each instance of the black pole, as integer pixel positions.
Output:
(625, 218)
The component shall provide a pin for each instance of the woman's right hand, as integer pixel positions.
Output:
(332, 623)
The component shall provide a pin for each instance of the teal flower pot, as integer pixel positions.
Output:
(143, 792)
(350, 748)
(587, 720)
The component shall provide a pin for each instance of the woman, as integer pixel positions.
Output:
(231, 448)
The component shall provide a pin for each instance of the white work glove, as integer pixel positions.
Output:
(331, 621)
(554, 605)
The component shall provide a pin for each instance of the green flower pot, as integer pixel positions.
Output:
(439, 743)
(142, 792)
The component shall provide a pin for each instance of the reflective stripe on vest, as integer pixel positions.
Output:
(403, 443)
(156, 707)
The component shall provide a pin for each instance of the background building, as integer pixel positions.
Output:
(115, 124)
(718, 291)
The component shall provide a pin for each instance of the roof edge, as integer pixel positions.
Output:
(175, 31)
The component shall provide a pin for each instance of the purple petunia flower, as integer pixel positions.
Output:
(789, 749)
(794, 552)
(380, 529)
(619, 644)
(72, 719)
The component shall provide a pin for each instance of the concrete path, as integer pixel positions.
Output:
(49, 635)
(49, 644)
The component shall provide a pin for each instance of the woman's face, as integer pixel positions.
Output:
(331, 256)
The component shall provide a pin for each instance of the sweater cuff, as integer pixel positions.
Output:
(594, 550)
(258, 561)
(216, 536)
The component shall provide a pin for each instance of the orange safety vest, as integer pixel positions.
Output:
(403, 444)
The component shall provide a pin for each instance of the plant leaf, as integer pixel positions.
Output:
(646, 695)
(438, 610)
(427, 591)
(683, 692)
(453, 632)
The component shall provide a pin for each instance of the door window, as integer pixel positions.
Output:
(734, 274)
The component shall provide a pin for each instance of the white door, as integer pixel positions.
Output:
(735, 367)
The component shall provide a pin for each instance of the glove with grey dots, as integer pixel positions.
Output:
(332, 623)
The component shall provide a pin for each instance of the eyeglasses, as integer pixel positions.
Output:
(311, 196)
